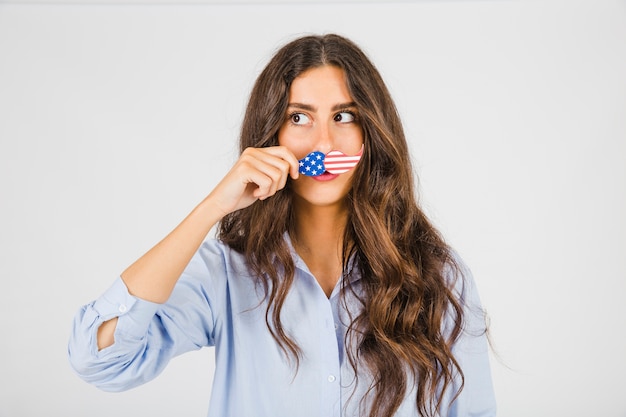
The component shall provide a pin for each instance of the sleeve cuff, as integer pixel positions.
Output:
(134, 313)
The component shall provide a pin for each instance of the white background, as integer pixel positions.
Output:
(115, 120)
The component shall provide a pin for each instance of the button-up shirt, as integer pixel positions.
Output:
(216, 302)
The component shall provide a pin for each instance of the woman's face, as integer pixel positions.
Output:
(321, 116)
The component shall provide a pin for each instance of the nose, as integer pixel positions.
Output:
(325, 138)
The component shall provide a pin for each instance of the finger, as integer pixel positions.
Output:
(278, 157)
(273, 169)
(261, 185)
(276, 168)
(286, 155)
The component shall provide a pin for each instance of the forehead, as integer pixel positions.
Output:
(319, 85)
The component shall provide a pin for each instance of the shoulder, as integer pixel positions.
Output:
(464, 288)
(219, 267)
(459, 278)
(211, 267)
(214, 256)
(214, 273)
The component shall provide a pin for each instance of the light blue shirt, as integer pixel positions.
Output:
(216, 303)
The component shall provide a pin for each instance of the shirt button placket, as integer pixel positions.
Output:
(331, 367)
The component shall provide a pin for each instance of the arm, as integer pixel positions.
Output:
(161, 307)
(258, 174)
(148, 335)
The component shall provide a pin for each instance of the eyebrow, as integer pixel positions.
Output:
(308, 107)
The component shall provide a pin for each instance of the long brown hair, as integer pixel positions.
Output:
(408, 272)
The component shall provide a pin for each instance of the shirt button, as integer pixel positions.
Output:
(331, 378)
(122, 308)
(336, 326)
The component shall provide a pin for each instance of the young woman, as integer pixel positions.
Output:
(324, 295)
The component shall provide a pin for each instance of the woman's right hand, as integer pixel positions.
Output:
(258, 174)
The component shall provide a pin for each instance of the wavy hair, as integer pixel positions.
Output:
(410, 315)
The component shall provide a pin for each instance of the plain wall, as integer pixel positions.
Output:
(116, 120)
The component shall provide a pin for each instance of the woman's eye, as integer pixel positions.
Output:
(344, 117)
(299, 118)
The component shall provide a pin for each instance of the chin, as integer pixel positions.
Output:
(321, 197)
(331, 192)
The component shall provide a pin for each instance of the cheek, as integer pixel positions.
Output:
(281, 136)
(351, 141)
(295, 141)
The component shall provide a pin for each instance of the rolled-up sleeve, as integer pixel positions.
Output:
(147, 335)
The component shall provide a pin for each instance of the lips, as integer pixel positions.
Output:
(334, 162)
(326, 176)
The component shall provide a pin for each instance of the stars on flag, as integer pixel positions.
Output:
(313, 164)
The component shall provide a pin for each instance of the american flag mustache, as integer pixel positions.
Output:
(334, 162)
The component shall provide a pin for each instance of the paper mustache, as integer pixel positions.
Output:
(334, 162)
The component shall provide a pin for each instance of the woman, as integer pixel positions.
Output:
(324, 295)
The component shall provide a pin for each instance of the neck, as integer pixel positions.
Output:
(318, 240)
(317, 227)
